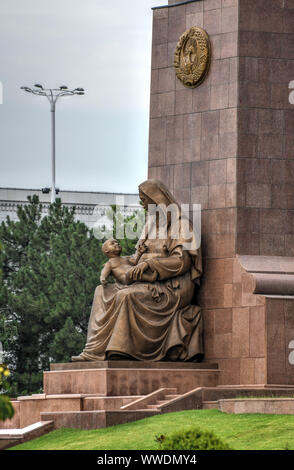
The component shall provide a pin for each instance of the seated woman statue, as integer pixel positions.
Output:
(151, 320)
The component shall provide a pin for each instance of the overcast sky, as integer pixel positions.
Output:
(102, 137)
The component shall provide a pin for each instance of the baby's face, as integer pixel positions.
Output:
(113, 247)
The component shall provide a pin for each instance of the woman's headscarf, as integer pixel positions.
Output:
(158, 193)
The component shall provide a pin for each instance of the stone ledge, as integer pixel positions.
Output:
(95, 419)
(177, 4)
(268, 275)
(12, 437)
(258, 405)
(131, 365)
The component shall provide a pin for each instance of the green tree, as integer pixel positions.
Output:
(50, 270)
(6, 408)
(51, 267)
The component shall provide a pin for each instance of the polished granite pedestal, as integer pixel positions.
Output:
(117, 378)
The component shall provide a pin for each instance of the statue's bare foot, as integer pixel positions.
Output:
(78, 359)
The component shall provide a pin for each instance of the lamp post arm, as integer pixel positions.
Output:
(52, 94)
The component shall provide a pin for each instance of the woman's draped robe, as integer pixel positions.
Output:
(149, 321)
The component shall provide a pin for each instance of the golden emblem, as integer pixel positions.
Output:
(192, 57)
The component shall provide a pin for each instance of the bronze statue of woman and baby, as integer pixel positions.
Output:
(147, 314)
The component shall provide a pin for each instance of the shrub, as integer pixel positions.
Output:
(191, 439)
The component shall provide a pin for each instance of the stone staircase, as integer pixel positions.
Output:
(159, 403)
(153, 401)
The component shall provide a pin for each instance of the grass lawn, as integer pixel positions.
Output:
(241, 432)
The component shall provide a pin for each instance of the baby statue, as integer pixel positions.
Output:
(119, 266)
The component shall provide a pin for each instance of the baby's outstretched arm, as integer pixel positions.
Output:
(105, 273)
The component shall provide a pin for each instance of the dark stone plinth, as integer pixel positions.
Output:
(131, 365)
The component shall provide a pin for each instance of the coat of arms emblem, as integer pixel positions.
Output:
(192, 57)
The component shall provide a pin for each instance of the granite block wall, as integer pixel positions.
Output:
(193, 133)
(228, 145)
(265, 168)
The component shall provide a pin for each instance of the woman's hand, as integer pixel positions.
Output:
(135, 273)
(142, 248)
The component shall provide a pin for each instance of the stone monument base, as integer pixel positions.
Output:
(92, 395)
(127, 378)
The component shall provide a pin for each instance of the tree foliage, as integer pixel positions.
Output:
(51, 266)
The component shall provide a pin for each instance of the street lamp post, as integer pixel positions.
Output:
(53, 94)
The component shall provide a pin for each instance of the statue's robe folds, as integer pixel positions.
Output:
(149, 321)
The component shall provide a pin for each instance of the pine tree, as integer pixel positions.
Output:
(51, 267)
(50, 270)
(6, 408)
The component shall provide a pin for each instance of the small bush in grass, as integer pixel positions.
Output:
(191, 439)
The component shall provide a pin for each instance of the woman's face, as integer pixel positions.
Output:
(145, 200)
